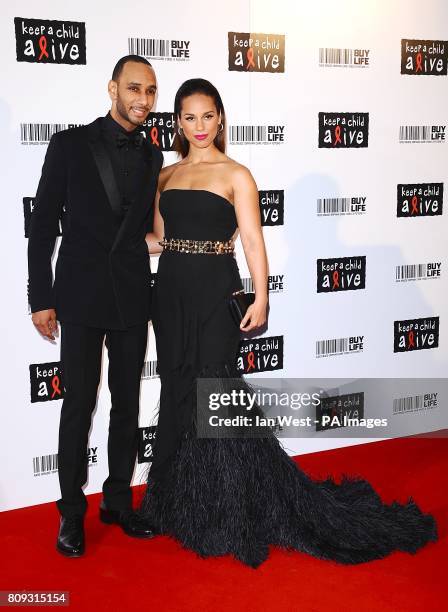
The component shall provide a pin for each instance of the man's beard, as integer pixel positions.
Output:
(121, 110)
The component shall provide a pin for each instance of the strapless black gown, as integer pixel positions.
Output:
(238, 496)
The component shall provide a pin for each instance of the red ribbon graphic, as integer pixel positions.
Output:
(55, 382)
(43, 47)
(250, 57)
(411, 339)
(418, 65)
(154, 136)
(337, 133)
(335, 279)
(414, 203)
(250, 361)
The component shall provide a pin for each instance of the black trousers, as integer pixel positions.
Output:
(81, 356)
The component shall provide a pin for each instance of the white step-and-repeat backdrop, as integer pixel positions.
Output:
(339, 109)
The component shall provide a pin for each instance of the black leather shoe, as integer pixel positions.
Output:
(131, 523)
(71, 541)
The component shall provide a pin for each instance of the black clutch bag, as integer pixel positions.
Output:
(239, 303)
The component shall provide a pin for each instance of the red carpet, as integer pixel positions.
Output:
(123, 574)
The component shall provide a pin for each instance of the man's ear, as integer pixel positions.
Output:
(112, 89)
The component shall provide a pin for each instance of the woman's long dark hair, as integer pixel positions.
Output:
(198, 86)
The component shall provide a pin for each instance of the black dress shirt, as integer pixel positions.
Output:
(128, 161)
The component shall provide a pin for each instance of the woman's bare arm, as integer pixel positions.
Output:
(152, 238)
(249, 222)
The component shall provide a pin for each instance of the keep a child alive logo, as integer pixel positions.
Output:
(416, 334)
(272, 206)
(260, 355)
(50, 42)
(146, 441)
(159, 128)
(343, 130)
(424, 57)
(341, 274)
(333, 412)
(256, 52)
(46, 382)
(419, 199)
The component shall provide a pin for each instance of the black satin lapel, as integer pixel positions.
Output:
(104, 165)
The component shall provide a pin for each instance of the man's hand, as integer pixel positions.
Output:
(46, 323)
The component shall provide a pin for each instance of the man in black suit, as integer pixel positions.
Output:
(105, 176)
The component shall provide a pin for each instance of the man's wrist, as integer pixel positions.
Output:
(39, 308)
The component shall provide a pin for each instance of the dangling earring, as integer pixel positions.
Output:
(179, 130)
(221, 127)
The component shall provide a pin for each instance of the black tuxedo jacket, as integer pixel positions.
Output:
(102, 274)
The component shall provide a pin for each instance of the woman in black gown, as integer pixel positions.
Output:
(235, 495)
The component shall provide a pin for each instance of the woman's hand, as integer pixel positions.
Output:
(256, 313)
(153, 244)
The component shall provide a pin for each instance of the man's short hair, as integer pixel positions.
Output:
(124, 60)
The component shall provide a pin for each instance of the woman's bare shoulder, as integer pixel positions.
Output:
(239, 174)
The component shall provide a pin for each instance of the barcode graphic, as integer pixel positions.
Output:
(330, 206)
(248, 284)
(407, 404)
(335, 346)
(39, 132)
(411, 272)
(149, 369)
(415, 133)
(248, 133)
(45, 464)
(149, 47)
(335, 57)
